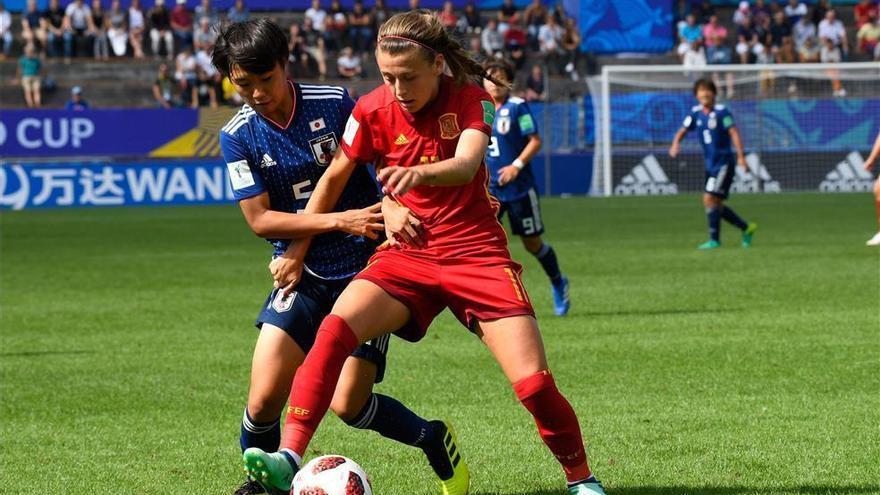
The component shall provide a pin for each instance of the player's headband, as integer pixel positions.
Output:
(404, 38)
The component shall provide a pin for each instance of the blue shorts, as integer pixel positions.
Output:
(719, 180)
(301, 313)
(525, 214)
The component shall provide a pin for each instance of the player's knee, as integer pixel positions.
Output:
(532, 243)
(265, 408)
(347, 408)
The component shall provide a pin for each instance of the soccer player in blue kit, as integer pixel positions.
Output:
(515, 141)
(716, 130)
(276, 148)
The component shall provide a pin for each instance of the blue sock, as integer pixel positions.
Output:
(714, 216)
(547, 256)
(733, 218)
(391, 419)
(265, 436)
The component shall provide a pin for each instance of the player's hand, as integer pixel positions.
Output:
(365, 222)
(287, 271)
(398, 180)
(507, 174)
(869, 163)
(742, 163)
(402, 226)
(673, 150)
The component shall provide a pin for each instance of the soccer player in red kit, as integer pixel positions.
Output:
(429, 131)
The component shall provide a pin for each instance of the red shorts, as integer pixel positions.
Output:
(474, 289)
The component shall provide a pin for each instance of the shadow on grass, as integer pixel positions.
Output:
(718, 490)
(660, 312)
(42, 353)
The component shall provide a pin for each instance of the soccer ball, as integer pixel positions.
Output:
(331, 475)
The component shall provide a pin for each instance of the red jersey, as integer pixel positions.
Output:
(458, 220)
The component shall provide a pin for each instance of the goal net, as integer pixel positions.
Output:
(804, 126)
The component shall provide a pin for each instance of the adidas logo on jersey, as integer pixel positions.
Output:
(758, 180)
(267, 161)
(401, 140)
(646, 178)
(848, 176)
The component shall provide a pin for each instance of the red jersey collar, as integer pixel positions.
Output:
(292, 109)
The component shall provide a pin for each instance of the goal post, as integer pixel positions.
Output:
(804, 126)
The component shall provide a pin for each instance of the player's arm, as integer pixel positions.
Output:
(675, 147)
(272, 224)
(511, 172)
(455, 171)
(875, 153)
(738, 146)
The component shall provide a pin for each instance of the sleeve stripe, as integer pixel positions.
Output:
(334, 96)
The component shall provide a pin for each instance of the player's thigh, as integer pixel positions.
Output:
(276, 358)
(525, 215)
(369, 310)
(516, 343)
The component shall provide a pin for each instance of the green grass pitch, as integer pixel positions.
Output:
(127, 334)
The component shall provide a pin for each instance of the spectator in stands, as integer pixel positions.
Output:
(160, 29)
(865, 12)
(785, 53)
(868, 36)
(379, 14)
(492, 39)
(802, 31)
(515, 38)
(748, 42)
(476, 49)
(204, 91)
(819, 10)
(28, 72)
(470, 22)
(695, 57)
(5, 31)
(535, 16)
(185, 70)
(76, 103)
(831, 54)
(100, 22)
(163, 88)
(760, 12)
(33, 27)
(877, 53)
(360, 28)
(704, 12)
(297, 56)
(182, 25)
(742, 13)
(448, 17)
(117, 35)
(318, 16)
(795, 10)
(779, 30)
(55, 32)
(414, 5)
(714, 37)
(348, 65)
(832, 29)
(508, 16)
(314, 46)
(238, 12)
(337, 26)
(571, 46)
(79, 27)
(549, 42)
(535, 88)
(808, 53)
(205, 36)
(689, 33)
(136, 28)
(205, 11)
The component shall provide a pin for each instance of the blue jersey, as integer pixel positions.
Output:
(286, 162)
(713, 130)
(514, 123)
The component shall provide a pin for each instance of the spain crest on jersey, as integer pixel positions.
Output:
(449, 126)
(323, 148)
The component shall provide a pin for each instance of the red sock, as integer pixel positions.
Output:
(556, 422)
(315, 382)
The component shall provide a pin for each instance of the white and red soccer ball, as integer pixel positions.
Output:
(331, 475)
